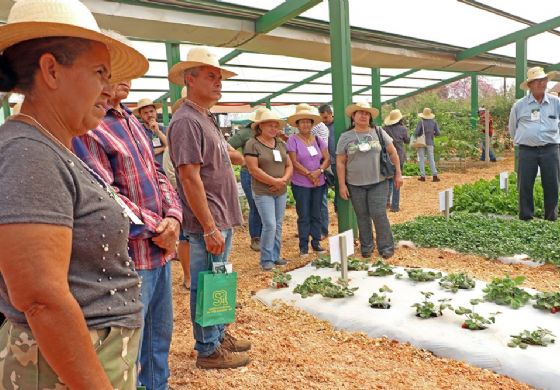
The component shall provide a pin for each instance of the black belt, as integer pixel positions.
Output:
(538, 147)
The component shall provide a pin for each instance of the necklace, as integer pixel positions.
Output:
(262, 141)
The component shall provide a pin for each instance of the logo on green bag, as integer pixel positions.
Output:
(219, 302)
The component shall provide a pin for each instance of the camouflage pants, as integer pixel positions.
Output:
(23, 367)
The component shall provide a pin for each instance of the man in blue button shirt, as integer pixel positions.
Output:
(533, 125)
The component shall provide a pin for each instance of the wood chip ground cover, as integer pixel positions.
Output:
(294, 350)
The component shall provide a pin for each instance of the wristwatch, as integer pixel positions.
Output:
(322, 170)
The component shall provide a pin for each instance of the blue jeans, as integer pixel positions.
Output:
(421, 160)
(255, 224)
(308, 207)
(483, 153)
(158, 327)
(325, 213)
(208, 338)
(271, 209)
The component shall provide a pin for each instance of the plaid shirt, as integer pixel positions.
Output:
(120, 152)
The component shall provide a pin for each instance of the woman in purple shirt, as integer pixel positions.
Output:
(310, 157)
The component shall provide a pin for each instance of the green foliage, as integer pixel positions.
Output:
(454, 282)
(280, 279)
(381, 301)
(381, 269)
(411, 169)
(354, 264)
(315, 285)
(429, 309)
(419, 275)
(290, 200)
(236, 170)
(548, 301)
(484, 235)
(323, 261)
(504, 291)
(541, 337)
(474, 320)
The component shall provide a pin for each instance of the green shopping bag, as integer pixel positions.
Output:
(216, 298)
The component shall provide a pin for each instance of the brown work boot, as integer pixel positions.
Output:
(233, 345)
(222, 358)
(256, 244)
(422, 178)
(436, 178)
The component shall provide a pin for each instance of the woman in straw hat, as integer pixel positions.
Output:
(429, 127)
(310, 158)
(358, 166)
(73, 311)
(393, 125)
(271, 170)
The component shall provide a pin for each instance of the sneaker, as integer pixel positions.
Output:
(367, 255)
(436, 178)
(303, 254)
(222, 358)
(319, 249)
(267, 266)
(387, 253)
(232, 344)
(422, 178)
(280, 262)
(395, 210)
(256, 244)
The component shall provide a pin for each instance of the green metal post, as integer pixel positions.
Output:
(6, 108)
(474, 100)
(376, 92)
(268, 105)
(341, 65)
(520, 74)
(165, 111)
(173, 56)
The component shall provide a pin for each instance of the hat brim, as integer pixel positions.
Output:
(177, 105)
(525, 84)
(281, 122)
(126, 62)
(351, 109)
(431, 116)
(176, 73)
(292, 120)
(388, 121)
(157, 106)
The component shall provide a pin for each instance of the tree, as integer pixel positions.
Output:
(461, 89)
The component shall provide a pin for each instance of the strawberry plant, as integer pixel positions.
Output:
(419, 275)
(474, 320)
(548, 301)
(381, 269)
(541, 337)
(429, 309)
(381, 301)
(280, 279)
(454, 282)
(315, 285)
(505, 292)
(354, 264)
(322, 262)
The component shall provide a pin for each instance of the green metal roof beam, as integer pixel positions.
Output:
(387, 80)
(509, 38)
(429, 87)
(230, 56)
(293, 86)
(276, 17)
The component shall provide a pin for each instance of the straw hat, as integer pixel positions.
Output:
(361, 106)
(427, 114)
(393, 117)
(197, 56)
(145, 103)
(30, 19)
(303, 111)
(268, 116)
(178, 103)
(256, 115)
(535, 73)
(553, 93)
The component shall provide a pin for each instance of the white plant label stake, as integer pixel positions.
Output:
(446, 201)
(340, 247)
(504, 182)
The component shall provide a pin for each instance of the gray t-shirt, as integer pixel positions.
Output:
(362, 166)
(194, 138)
(267, 163)
(43, 183)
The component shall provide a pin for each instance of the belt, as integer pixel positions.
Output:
(538, 146)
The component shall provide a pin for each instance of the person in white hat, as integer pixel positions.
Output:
(533, 126)
(238, 142)
(147, 110)
(363, 180)
(394, 126)
(62, 289)
(203, 163)
(428, 127)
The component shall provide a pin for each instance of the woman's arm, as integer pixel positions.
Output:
(394, 156)
(341, 173)
(296, 164)
(259, 175)
(34, 261)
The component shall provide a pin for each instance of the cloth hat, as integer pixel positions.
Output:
(145, 103)
(427, 114)
(393, 117)
(535, 73)
(178, 103)
(268, 116)
(256, 115)
(303, 111)
(31, 19)
(197, 56)
(361, 106)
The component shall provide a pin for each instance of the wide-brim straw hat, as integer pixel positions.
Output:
(268, 116)
(197, 56)
(427, 114)
(31, 19)
(393, 117)
(145, 103)
(535, 73)
(256, 115)
(179, 102)
(303, 111)
(361, 106)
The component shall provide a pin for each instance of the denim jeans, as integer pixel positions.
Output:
(255, 224)
(325, 213)
(483, 153)
(394, 195)
(158, 327)
(271, 209)
(308, 207)
(421, 160)
(208, 338)
(369, 204)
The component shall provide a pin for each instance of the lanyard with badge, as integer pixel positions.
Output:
(535, 114)
(364, 144)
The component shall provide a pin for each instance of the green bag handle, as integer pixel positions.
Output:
(210, 260)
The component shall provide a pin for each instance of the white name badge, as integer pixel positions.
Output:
(277, 155)
(156, 142)
(312, 150)
(535, 115)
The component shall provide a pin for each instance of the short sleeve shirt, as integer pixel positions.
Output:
(363, 152)
(275, 167)
(304, 157)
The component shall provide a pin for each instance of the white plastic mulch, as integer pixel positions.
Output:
(536, 366)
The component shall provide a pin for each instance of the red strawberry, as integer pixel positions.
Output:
(554, 310)
(465, 326)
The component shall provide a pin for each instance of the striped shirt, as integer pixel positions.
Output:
(120, 152)
(321, 130)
